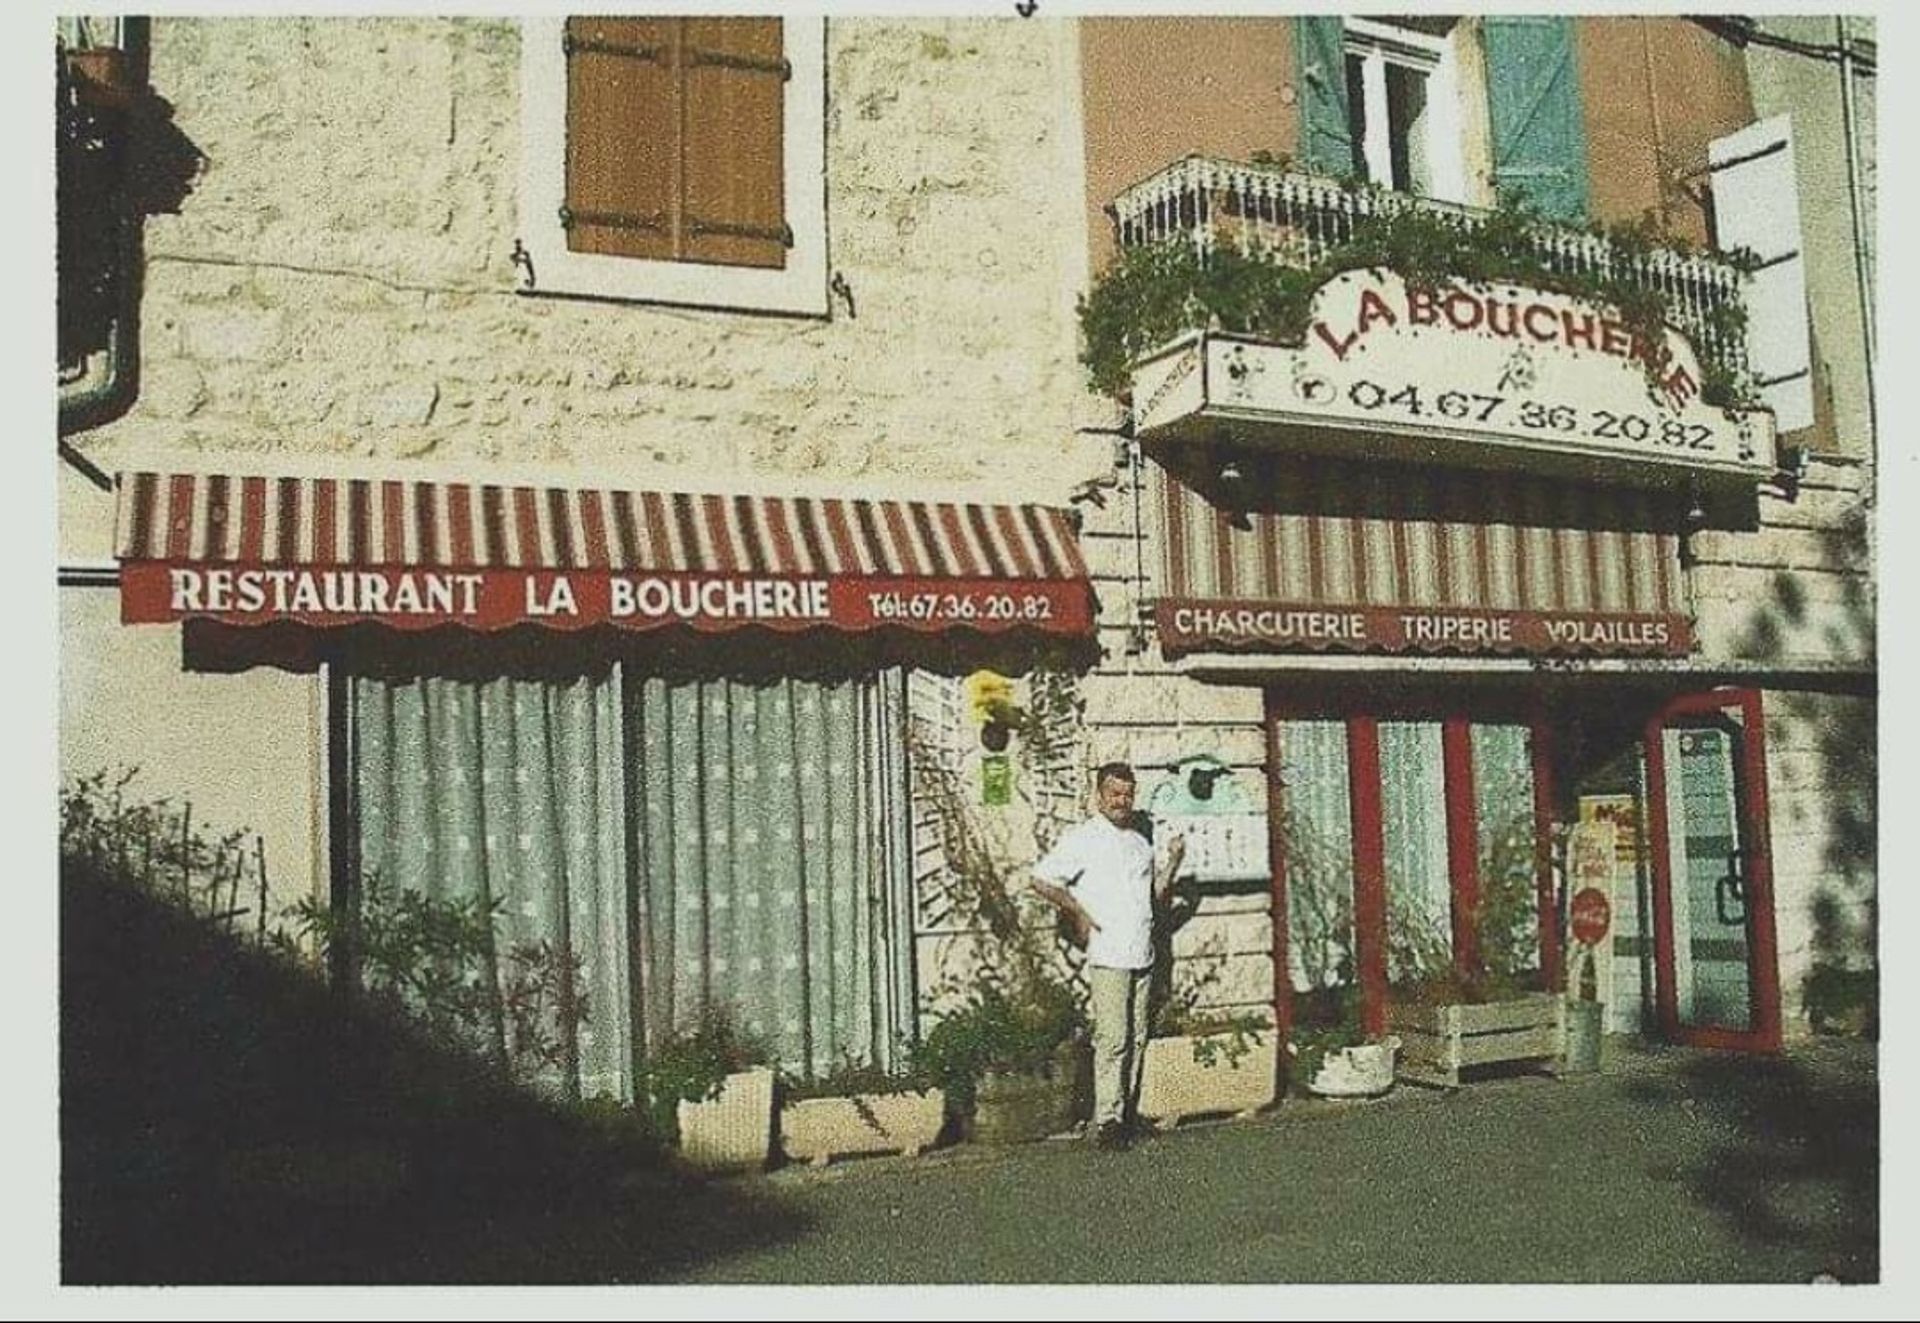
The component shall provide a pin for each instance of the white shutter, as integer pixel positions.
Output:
(1756, 204)
(936, 750)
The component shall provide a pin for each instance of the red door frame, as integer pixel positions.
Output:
(1750, 794)
(1362, 715)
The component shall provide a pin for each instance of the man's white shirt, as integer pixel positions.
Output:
(1109, 870)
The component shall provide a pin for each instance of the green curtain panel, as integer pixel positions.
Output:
(1539, 127)
(768, 858)
(1319, 853)
(511, 791)
(1413, 811)
(1326, 143)
(1503, 812)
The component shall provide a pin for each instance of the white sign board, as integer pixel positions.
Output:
(1500, 370)
(1221, 847)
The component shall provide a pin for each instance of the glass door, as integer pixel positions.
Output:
(1716, 976)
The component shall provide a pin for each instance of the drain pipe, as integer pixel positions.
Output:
(1862, 276)
(104, 393)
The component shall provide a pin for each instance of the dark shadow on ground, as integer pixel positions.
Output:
(1796, 1158)
(225, 1119)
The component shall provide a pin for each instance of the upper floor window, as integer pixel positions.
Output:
(1403, 109)
(675, 160)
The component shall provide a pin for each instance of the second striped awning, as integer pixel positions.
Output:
(325, 551)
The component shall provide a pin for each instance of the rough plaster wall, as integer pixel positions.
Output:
(338, 285)
(1158, 89)
(194, 738)
(1655, 90)
(1144, 710)
(1821, 782)
(1800, 590)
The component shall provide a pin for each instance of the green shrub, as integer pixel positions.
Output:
(1843, 1001)
(1153, 293)
(996, 1029)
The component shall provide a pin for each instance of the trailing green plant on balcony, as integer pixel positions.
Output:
(1156, 292)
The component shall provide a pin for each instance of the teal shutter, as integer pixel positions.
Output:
(1539, 129)
(1326, 147)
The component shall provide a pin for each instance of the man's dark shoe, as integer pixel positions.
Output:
(1140, 1129)
(1111, 1137)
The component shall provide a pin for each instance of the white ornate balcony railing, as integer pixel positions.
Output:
(1297, 217)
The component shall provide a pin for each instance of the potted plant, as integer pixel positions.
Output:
(1497, 1011)
(712, 1089)
(1200, 1063)
(859, 1110)
(1012, 1061)
(1333, 1056)
(1202, 1060)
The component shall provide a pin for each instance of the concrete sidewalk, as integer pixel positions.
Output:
(1672, 1165)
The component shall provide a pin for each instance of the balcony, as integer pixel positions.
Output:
(1520, 372)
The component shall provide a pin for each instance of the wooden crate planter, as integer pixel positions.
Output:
(735, 1130)
(1438, 1042)
(1174, 1086)
(817, 1130)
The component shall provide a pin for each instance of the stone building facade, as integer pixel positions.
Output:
(334, 285)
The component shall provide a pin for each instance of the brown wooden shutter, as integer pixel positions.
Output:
(623, 159)
(736, 76)
(674, 140)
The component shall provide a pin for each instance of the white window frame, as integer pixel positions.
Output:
(800, 288)
(1380, 44)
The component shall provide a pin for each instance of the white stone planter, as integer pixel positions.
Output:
(817, 1130)
(1174, 1086)
(733, 1131)
(1356, 1072)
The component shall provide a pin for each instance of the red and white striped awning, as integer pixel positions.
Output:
(1354, 559)
(326, 551)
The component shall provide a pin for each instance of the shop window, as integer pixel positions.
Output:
(1507, 918)
(675, 160)
(1413, 858)
(1403, 113)
(505, 796)
(690, 844)
(1317, 821)
(770, 874)
(1413, 811)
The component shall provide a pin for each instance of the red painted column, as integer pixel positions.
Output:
(1369, 868)
(1463, 844)
(1659, 841)
(1759, 842)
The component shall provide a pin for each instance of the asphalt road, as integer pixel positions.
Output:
(1672, 1166)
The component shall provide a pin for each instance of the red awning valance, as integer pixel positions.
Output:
(414, 555)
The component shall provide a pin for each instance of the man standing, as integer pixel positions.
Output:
(1100, 876)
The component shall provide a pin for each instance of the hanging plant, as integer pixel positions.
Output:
(1154, 293)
